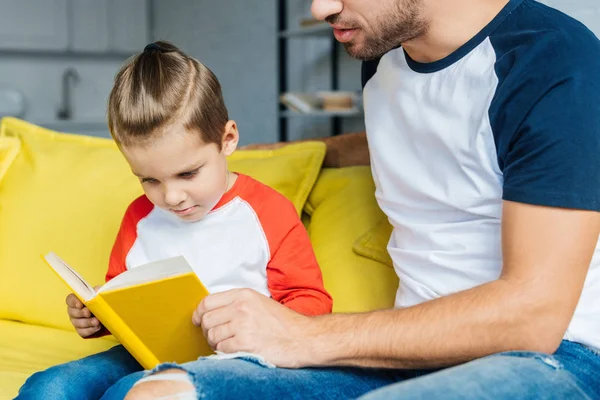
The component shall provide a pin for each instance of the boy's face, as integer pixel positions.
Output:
(180, 173)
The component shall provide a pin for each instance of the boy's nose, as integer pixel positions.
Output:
(174, 197)
(322, 9)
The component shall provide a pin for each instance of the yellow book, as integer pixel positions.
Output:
(148, 308)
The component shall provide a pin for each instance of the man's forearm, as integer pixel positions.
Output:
(488, 319)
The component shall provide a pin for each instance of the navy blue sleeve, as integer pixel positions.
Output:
(546, 122)
(367, 70)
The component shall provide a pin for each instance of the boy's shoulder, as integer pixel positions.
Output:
(139, 208)
(262, 197)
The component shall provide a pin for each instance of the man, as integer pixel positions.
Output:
(484, 132)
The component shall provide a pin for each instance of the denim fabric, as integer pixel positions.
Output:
(573, 372)
(85, 379)
(248, 378)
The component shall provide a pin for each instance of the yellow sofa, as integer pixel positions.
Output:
(67, 193)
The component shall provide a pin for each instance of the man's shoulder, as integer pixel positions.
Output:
(547, 61)
(538, 40)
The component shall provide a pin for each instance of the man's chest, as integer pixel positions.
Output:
(431, 142)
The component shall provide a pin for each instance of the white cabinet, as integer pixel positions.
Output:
(129, 25)
(34, 25)
(89, 20)
(109, 25)
(89, 26)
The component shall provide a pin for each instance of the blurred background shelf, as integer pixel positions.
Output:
(322, 29)
(316, 35)
(322, 113)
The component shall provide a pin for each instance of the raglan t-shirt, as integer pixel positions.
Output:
(514, 114)
(253, 238)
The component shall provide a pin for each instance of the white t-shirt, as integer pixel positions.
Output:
(513, 114)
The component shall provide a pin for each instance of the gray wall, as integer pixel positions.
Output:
(237, 41)
(41, 39)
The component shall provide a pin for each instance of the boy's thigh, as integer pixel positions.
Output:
(250, 379)
(85, 378)
(512, 375)
(110, 365)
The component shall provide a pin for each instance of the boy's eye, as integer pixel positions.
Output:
(189, 174)
(149, 180)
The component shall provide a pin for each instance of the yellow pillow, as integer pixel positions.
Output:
(292, 170)
(343, 207)
(67, 193)
(373, 243)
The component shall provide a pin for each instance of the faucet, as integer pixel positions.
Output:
(66, 111)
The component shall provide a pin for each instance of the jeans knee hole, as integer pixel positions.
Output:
(549, 361)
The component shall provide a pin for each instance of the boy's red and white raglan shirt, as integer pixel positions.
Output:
(253, 238)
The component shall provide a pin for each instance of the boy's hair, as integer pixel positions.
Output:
(160, 86)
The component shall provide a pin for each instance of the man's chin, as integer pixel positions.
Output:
(360, 52)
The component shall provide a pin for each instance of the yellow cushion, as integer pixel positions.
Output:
(25, 349)
(9, 148)
(292, 170)
(63, 193)
(67, 193)
(373, 243)
(343, 207)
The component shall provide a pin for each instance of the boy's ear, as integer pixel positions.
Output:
(231, 138)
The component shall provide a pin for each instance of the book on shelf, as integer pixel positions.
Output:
(322, 101)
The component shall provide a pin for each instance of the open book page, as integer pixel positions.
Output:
(153, 271)
(79, 286)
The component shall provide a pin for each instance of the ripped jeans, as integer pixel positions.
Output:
(573, 372)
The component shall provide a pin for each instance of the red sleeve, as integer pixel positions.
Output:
(293, 274)
(127, 235)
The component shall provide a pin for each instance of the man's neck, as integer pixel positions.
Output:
(452, 23)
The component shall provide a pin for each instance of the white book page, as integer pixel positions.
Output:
(153, 271)
(81, 288)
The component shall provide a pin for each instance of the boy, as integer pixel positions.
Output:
(167, 114)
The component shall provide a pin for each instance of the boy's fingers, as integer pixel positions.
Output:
(73, 301)
(88, 331)
(83, 323)
(78, 313)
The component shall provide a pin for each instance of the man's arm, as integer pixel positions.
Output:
(547, 252)
(344, 150)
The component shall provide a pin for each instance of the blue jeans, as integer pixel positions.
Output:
(573, 372)
(85, 379)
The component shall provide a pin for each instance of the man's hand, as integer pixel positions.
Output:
(244, 320)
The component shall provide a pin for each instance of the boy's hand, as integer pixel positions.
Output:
(82, 319)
